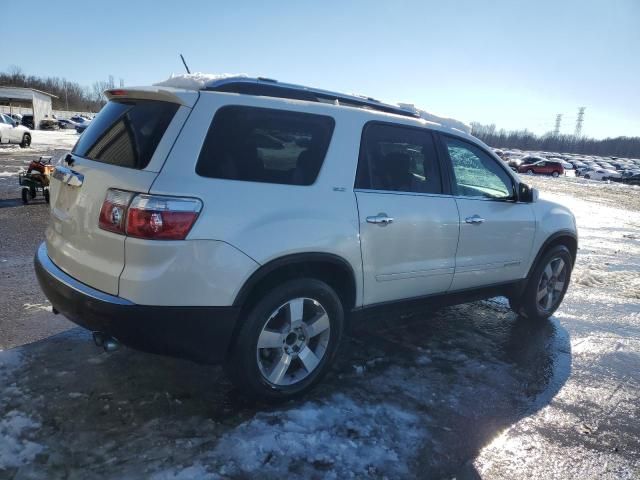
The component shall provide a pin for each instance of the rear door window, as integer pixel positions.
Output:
(126, 132)
(399, 159)
(265, 145)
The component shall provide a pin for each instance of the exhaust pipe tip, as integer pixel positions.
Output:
(105, 341)
(99, 338)
(111, 345)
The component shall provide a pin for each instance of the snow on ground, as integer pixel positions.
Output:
(349, 439)
(43, 140)
(602, 305)
(16, 427)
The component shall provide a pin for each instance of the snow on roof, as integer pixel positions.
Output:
(195, 81)
(199, 80)
(431, 117)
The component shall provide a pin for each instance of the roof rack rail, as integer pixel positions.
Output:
(272, 88)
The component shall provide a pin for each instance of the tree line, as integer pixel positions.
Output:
(627, 147)
(71, 95)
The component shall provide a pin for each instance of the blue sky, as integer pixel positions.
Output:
(513, 63)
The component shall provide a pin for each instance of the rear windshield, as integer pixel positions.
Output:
(126, 133)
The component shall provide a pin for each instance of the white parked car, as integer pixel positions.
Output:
(246, 222)
(12, 132)
(600, 174)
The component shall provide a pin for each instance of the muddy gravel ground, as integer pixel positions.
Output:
(470, 391)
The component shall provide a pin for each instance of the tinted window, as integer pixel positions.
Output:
(476, 173)
(264, 145)
(126, 133)
(398, 159)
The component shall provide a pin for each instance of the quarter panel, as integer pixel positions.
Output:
(183, 273)
(263, 220)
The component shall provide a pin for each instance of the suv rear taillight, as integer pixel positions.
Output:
(113, 214)
(153, 217)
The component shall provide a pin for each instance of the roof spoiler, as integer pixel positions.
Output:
(146, 93)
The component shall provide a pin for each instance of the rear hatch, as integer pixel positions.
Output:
(124, 148)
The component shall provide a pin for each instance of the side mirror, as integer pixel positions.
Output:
(527, 194)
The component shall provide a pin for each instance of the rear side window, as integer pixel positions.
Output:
(126, 133)
(399, 159)
(265, 145)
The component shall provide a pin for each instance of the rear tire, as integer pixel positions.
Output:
(587, 176)
(46, 195)
(26, 141)
(529, 172)
(555, 174)
(546, 286)
(288, 341)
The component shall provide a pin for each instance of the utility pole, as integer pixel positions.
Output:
(556, 129)
(66, 96)
(579, 122)
(121, 82)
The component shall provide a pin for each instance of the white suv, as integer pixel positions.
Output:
(245, 223)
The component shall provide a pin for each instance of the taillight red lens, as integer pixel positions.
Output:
(161, 218)
(152, 217)
(113, 214)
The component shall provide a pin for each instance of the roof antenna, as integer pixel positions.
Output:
(185, 64)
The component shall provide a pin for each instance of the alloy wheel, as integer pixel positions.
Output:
(293, 341)
(551, 284)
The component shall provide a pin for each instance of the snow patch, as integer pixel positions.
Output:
(188, 473)
(432, 117)
(14, 449)
(341, 437)
(196, 81)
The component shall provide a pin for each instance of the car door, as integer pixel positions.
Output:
(5, 129)
(408, 226)
(496, 231)
(541, 167)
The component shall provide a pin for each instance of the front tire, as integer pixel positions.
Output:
(546, 286)
(288, 341)
(25, 195)
(555, 174)
(26, 141)
(529, 172)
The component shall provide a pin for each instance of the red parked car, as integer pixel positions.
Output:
(543, 166)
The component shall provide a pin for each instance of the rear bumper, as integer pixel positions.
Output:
(202, 334)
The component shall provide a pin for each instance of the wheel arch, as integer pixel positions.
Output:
(563, 237)
(332, 269)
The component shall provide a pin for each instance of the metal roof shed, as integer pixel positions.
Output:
(40, 102)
